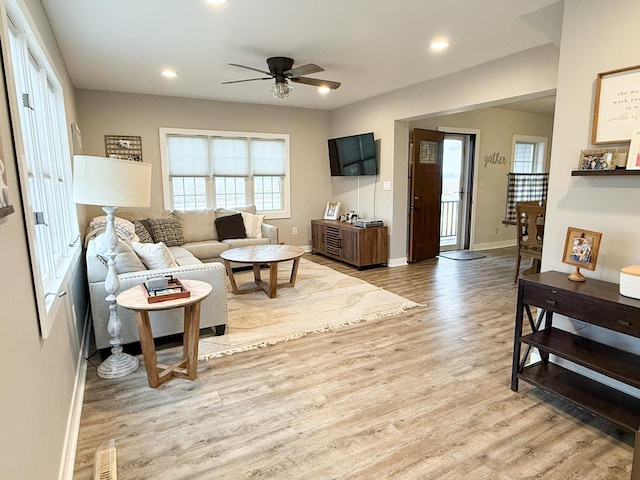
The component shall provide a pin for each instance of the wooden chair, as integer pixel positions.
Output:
(530, 218)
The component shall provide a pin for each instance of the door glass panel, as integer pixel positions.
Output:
(428, 152)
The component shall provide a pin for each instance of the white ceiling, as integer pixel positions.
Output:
(371, 46)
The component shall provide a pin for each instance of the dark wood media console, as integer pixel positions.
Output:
(361, 247)
(594, 302)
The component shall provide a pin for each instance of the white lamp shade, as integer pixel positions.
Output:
(111, 182)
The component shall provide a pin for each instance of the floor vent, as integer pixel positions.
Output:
(104, 467)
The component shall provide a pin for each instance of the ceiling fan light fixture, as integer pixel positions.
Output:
(280, 90)
(324, 89)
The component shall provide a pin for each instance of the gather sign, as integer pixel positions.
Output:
(495, 159)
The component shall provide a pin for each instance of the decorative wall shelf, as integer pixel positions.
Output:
(604, 173)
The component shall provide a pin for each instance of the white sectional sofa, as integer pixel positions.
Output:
(194, 245)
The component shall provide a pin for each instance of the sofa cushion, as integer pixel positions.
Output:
(207, 249)
(252, 224)
(167, 231)
(133, 214)
(197, 225)
(245, 242)
(225, 212)
(183, 256)
(143, 231)
(230, 226)
(154, 255)
(124, 228)
(126, 259)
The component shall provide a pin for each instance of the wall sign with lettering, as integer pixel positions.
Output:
(616, 113)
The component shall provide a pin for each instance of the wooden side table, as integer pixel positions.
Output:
(136, 300)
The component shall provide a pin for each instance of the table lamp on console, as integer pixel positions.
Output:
(112, 183)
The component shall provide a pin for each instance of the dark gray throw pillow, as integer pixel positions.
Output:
(230, 226)
(167, 231)
(143, 231)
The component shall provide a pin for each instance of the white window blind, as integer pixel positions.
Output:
(230, 157)
(189, 156)
(268, 157)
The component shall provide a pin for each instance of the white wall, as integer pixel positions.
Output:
(39, 376)
(523, 75)
(107, 113)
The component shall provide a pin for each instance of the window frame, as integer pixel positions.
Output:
(539, 164)
(43, 161)
(164, 132)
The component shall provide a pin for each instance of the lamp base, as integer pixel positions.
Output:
(118, 365)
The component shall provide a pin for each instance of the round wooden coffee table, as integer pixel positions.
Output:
(257, 255)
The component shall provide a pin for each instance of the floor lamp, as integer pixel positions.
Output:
(112, 183)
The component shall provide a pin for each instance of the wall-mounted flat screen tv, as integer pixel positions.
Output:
(353, 155)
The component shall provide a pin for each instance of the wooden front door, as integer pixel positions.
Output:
(425, 192)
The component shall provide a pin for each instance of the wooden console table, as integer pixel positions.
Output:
(157, 373)
(594, 302)
(361, 247)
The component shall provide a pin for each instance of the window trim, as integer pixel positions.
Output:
(286, 184)
(18, 22)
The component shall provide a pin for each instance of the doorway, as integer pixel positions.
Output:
(457, 191)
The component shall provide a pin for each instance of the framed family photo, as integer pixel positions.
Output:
(598, 159)
(581, 249)
(124, 147)
(332, 211)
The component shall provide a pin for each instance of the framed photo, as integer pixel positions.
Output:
(581, 248)
(332, 211)
(615, 114)
(5, 207)
(598, 159)
(633, 159)
(123, 147)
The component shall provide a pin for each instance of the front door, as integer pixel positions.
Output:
(425, 187)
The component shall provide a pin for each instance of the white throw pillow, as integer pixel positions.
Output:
(154, 255)
(252, 224)
(126, 259)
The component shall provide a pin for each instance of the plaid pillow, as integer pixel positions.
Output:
(167, 231)
(143, 231)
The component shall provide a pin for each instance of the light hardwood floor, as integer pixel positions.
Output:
(423, 395)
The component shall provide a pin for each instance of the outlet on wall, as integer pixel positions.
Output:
(496, 231)
(294, 230)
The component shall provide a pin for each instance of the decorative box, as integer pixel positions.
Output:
(630, 281)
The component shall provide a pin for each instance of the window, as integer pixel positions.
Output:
(44, 162)
(213, 169)
(528, 154)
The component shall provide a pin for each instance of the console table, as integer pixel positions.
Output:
(358, 246)
(594, 302)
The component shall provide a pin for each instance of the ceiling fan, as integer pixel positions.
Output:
(281, 69)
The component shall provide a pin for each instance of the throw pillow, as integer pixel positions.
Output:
(126, 259)
(230, 226)
(154, 255)
(167, 231)
(252, 224)
(143, 230)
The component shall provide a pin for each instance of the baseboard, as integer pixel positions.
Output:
(67, 462)
(397, 262)
(493, 245)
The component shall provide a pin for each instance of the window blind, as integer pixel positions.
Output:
(230, 157)
(189, 156)
(268, 157)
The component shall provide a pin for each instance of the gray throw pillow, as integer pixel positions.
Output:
(167, 231)
(143, 231)
(231, 226)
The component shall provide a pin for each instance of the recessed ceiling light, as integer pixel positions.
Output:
(217, 2)
(439, 44)
(324, 90)
(169, 73)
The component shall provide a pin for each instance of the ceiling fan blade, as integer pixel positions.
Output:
(316, 82)
(247, 80)
(303, 70)
(250, 68)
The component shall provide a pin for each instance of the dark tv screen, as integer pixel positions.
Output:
(353, 155)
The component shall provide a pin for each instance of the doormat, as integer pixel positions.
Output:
(461, 255)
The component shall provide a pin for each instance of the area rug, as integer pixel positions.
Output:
(461, 255)
(322, 300)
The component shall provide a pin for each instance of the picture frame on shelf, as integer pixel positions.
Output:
(332, 211)
(633, 158)
(614, 120)
(581, 249)
(598, 159)
(124, 147)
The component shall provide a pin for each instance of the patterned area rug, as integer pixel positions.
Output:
(461, 255)
(322, 300)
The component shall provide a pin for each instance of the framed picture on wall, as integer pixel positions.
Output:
(124, 147)
(614, 116)
(633, 159)
(5, 207)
